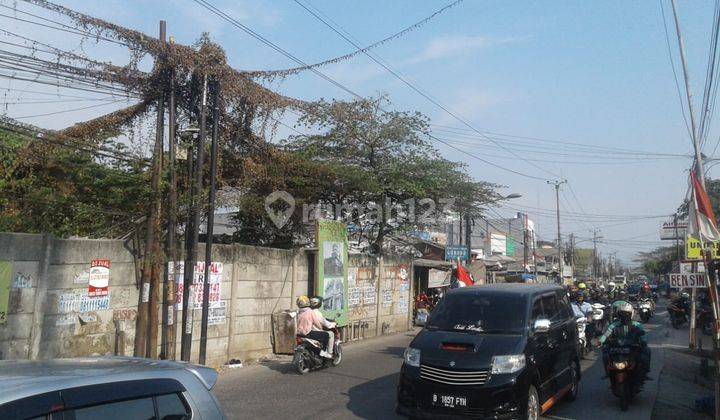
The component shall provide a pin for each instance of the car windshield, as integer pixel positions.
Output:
(479, 313)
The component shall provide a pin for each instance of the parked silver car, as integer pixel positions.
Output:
(107, 388)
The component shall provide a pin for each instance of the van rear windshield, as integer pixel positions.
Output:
(479, 313)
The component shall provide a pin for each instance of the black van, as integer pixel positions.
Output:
(501, 351)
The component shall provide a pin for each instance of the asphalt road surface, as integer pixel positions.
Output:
(363, 386)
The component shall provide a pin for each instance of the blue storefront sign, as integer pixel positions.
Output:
(452, 253)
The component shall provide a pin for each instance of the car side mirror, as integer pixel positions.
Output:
(541, 325)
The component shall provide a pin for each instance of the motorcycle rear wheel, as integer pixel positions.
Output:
(300, 363)
(676, 322)
(337, 357)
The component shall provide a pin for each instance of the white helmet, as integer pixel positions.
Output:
(602, 287)
(611, 285)
(625, 311)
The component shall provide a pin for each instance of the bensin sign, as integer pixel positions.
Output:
(687, 280)
(99, 278)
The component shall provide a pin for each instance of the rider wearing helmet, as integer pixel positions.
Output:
(309, 325)
(645, 291)
(315, 304)
(612, 291)
(683, 301)
(624, 328)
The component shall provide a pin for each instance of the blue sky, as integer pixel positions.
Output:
(593, 73)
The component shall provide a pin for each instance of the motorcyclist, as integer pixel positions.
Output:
(612, 291)
(645, 291)
(683, 301)
(580, 307)
(315, 304)
(625, 329)
(310, 326)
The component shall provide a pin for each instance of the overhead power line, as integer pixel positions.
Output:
(358, 51)
(423, 93)
(277, 48)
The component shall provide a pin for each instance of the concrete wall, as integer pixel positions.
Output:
(50, 314)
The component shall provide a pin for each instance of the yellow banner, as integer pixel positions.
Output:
(693, 249)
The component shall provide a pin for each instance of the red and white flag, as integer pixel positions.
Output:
(463, 276)
(702, 219)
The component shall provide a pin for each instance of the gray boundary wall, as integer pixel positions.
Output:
(50, 315)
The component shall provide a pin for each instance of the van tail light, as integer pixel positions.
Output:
(456, 347)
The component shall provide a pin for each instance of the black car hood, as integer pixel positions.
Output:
(470, 350)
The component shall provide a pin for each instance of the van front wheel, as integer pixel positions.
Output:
(533, 404)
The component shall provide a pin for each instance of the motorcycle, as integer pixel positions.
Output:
(582, 339)
(645, 309)
(621, 368)
(598, 317)
(422, 316)
(704, 319)
(306, 356)
(678, 315)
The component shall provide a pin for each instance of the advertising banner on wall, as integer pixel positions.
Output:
(332, 269)
(99, 278)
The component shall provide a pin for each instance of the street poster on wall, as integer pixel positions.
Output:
(332, 269)
(196, 290)
(99, 278)
(5, 276)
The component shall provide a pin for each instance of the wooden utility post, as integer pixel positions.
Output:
(157, 258)
(149, 277)
(215, 87)
(168, 333)
(192, 236)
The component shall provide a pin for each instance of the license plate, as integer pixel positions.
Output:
(449, 401)
(619, 350)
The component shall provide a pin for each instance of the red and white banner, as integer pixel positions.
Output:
(99, 278)
(702, 220)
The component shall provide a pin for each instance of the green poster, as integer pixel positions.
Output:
(332, 269)
(5, 274)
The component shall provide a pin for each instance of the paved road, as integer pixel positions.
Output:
(363, 386)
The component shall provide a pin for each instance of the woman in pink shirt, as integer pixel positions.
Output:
(307, 320)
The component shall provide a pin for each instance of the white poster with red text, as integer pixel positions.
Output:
(99, 278)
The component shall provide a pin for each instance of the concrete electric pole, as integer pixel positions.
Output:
(559, 238)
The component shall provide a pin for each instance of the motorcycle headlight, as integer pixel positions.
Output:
(508, 364)
(412, 357)
(620, 365)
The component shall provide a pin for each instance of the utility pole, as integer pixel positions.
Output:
(147, 316)
(468, 236)
(168, 333)
(700, 173)
(595, 257)
(215, 86)
(559, 238)
(572, 254)
(192, 236)
(158, 258)
(525, 244)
